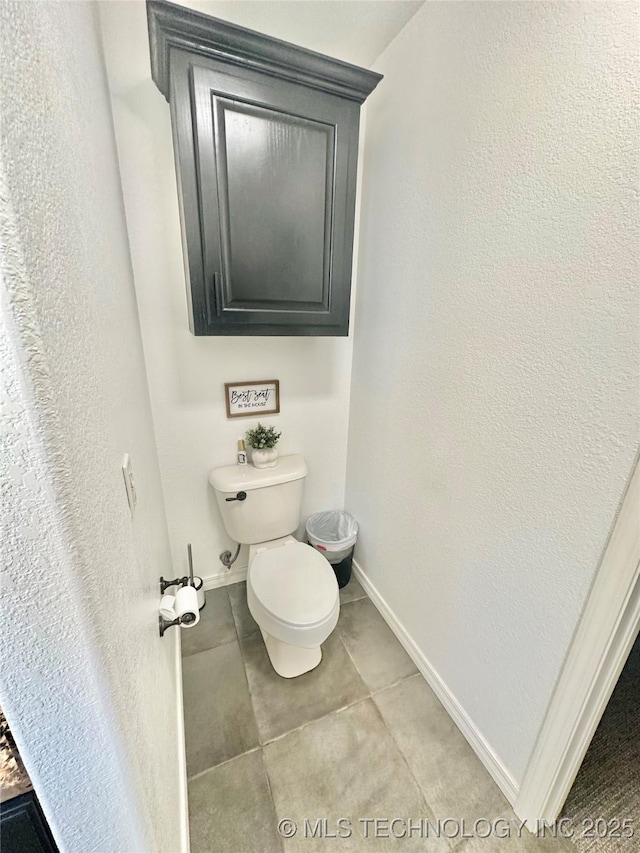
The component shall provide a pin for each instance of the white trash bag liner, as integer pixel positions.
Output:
(333, 533)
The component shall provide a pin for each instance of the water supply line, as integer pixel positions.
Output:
(228, 559)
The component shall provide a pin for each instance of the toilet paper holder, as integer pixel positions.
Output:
(164, 624)
(186, 618)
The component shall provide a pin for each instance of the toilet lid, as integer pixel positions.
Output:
(295, 583)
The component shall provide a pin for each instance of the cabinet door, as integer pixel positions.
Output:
(275, 170)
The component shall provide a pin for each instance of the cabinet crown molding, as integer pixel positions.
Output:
(172, 26)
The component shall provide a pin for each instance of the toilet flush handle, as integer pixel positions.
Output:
(241, 496)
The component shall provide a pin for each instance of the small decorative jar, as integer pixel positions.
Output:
(264, 457)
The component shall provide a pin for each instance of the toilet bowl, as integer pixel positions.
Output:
(293, 595)
(292, 591)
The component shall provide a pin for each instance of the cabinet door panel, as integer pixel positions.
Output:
(276, 244)
(274, 175)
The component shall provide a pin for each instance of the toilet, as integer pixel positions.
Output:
(292, 591)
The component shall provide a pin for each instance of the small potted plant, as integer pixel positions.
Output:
(262, 441)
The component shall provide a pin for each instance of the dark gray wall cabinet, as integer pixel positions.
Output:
(266, 142)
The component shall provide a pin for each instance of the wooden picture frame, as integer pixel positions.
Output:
(248, 399)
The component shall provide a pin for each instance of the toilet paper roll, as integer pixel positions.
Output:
(167, 607)
(186, 606)
(199, 588)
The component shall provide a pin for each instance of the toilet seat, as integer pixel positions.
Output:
(293, 594)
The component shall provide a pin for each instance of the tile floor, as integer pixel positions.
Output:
(361, 737)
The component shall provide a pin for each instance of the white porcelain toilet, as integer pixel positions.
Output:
(292, 590)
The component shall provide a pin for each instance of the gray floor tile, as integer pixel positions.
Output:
(352, 591)
(245, 623)
(231, 810)
(218, 717)
(377, 654)
(215, 626)
(527, 843)
(452, 779)
(345, 766)
(282, 704)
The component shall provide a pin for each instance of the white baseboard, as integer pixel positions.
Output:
(183, 805)
(487, 756)
(225, 578)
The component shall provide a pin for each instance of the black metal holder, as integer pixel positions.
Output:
(164, 624)
(164, 585)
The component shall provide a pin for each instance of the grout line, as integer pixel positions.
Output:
(273, 801)
(235, 621)
(355, 666)
(249, 691)
(351, 600)
(404, 758)
(318, 719)
(217, 646)
(399, 681)
(222, 763)
(238, 640)
(373, 694)
(353, 663)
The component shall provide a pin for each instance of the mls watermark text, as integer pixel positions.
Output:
(451, 828)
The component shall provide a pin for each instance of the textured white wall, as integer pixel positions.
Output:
(88, 687)
(187, 374)
(494, 407)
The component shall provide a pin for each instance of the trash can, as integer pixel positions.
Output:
(334, 534)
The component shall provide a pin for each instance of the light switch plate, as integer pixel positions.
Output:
(127, 473)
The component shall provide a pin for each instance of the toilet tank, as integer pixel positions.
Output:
(272, 506)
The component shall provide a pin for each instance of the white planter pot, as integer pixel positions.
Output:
(266, 457)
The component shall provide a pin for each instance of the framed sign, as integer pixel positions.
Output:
(246, 399)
